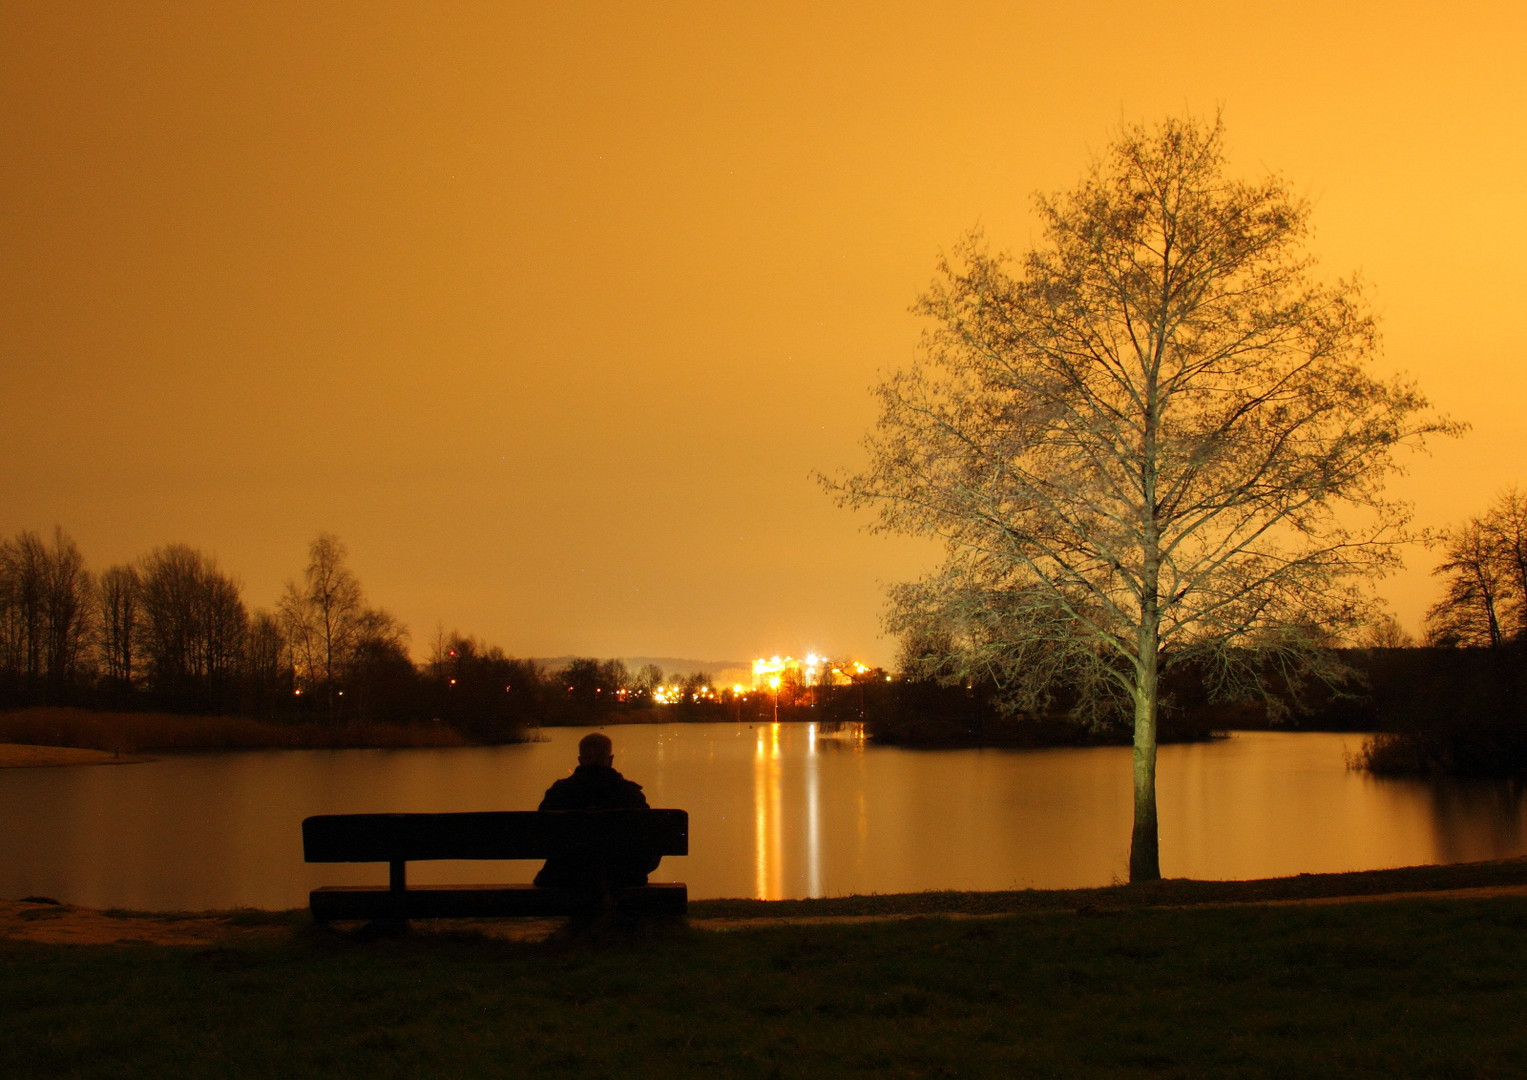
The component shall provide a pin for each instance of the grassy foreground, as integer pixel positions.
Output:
(1418, 987)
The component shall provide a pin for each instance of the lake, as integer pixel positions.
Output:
(776, 811)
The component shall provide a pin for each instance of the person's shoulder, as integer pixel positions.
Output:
(558, 793)
(632, 791)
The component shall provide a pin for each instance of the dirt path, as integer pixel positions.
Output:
(48, 922)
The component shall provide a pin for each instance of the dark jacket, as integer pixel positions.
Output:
(595, 787)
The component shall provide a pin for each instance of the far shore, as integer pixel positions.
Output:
(24, 756)
(126, 736)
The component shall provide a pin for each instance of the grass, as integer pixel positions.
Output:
(1422, 987)
(1174, 891)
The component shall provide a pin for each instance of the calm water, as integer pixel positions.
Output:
(775, 811)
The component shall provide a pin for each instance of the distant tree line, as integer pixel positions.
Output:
(170, 631)
(1459, 705)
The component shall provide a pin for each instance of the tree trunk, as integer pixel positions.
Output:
(1144, 846)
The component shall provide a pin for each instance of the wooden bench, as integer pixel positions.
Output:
(597, 836)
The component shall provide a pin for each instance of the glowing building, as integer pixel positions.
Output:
(812, 670)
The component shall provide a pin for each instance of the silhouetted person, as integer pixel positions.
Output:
(595, 785)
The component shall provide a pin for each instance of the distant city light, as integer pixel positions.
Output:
(814, 670)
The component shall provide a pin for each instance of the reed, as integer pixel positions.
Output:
(122, 732)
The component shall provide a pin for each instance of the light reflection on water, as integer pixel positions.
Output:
(775, 810)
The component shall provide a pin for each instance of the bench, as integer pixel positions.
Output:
(597, 836)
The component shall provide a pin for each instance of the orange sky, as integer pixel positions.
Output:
(549, 311)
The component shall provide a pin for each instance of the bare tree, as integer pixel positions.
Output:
(223, 622)
(614, 676)
(46, 614)
(1385, 632)
(1469, 611)
(120, 623)
(23, 610)
(322, 617)
(267, 668)
(1507, 524)
(1484, 569)
(194, 623)
(1154, 441)
(70, 592)
(171, 578)
(648, 679)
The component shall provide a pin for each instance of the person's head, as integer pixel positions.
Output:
(595, 748)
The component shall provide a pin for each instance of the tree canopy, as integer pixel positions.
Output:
(1155, 438)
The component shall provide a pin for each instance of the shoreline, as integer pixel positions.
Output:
(45, 920)
(31, 756)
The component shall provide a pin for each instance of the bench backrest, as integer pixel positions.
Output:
(501, 834)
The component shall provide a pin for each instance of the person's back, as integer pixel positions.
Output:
(595, 785)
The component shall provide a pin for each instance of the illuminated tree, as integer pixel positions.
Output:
(648, 679)
(694, 686)
(1155, 440)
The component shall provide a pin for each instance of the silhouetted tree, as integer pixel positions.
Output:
(583, 680)
(1484, 572)
(23, 577)
(120, 624)
(481, 692)
(1507, 522)
(1469, 611)
(46, 614)
(378, 678)
(193, 627)
(322, 617)
(267, 669)
(613, 676)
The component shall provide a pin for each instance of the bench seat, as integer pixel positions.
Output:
(340, 902)
(608, 837)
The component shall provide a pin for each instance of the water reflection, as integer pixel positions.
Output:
(777, 810)
(1496, 807)
(770, 813)
(766, 813)
(813, 816)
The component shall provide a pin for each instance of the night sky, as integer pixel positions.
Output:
(550, 311)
